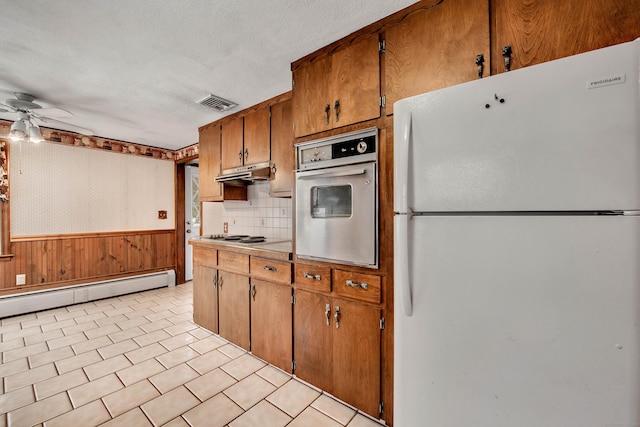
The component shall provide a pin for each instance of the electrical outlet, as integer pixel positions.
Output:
(162, 214)
(21, 279)
(226, 227)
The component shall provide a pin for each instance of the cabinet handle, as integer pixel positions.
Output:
(480, 64)
(215, 281)
(273, 169)
(506, 54)
(268, 268)
(246, 154)
(253, 292)
(337, 317)
(311, 276)
(240, 156)
(220, 281)
(353, 284)
(336, 108)
(327, 310)
(327, 108)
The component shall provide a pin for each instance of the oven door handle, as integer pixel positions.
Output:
(321, 174)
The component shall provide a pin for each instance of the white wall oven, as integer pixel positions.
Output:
(337, 199)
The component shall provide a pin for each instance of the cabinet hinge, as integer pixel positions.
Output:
(381, 409)
(383, 101)
(382, 323)
(293, 299)
(293, 366)
(382, 46)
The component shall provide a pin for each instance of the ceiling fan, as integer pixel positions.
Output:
(25, 127)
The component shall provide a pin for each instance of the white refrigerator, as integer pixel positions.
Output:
(517, 248)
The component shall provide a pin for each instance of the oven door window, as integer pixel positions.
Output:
(334, 201)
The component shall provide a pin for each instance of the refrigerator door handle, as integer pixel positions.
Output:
(401, 256)
(401, 169)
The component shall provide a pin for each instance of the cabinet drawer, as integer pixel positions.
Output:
(310, 277)
(233, 262)
(365, 287)
(205, 257)
(270, 270)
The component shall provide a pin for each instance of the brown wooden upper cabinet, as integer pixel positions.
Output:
(337, 90)
(209, 163)
(246, 140)
(544, 30)
(257, 136)
(434, 48)
(233, 143)
(282, 152)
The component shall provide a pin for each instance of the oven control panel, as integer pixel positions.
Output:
(354, 147)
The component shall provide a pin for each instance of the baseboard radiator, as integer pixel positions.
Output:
(12, 305)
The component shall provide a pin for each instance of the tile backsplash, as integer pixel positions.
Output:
(260, 215)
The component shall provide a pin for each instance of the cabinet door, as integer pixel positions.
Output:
(257, 136)
(233, 303)
(282, 153)
(312, 97)
(232, 154)
(209, 159)
(271, 323)
(356, 355)
(355, 82)
(205, 297)
(312, 339)
(540, 31)
(435, 48)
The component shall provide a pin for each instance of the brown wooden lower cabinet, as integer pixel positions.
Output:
(233, 308)
(271, 326)
(336, 346)
(205, 297)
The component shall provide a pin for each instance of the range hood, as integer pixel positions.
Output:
(246, 174)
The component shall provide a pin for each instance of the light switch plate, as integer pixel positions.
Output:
(21, 279)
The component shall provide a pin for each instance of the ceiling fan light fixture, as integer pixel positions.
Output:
(18, 130)
(34, 134)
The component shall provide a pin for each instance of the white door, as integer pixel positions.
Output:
(192, 216)
(519, 320)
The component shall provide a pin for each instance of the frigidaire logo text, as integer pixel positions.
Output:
(613, 80)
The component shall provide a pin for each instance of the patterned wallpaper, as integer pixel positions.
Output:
(58, 189)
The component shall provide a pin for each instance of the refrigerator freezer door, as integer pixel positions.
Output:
(563, 135)
(520, 321)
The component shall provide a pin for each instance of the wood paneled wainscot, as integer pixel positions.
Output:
(62, 260)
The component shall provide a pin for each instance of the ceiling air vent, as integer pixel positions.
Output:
(217, 103)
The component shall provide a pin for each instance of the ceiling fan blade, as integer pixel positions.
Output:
(55, 112)
(67, 126)
(6, 109)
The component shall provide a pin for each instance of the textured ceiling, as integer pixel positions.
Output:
(134, 70)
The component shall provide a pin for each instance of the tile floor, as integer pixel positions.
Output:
(139, 360)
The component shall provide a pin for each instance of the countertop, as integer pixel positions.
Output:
(278, 250)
